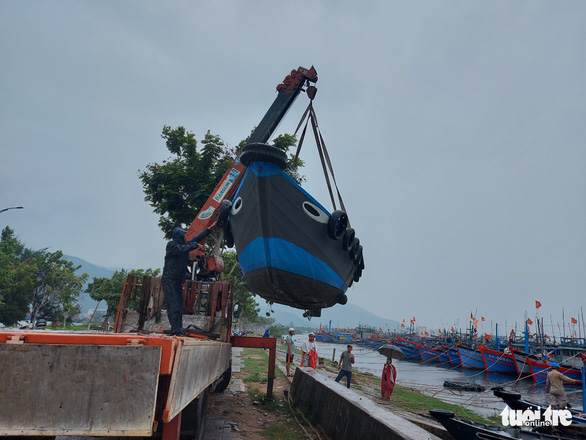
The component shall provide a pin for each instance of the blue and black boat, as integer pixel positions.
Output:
(291, 250)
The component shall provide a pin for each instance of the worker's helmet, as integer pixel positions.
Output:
(291, 330)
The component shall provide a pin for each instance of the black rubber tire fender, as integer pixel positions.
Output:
(223, 213)
(347, 239)
(259, 152)
(337, 224)
(357, 274)
(228, 236)
(354, 249)
(357, 254)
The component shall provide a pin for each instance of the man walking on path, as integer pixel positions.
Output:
(309, 352)
(554, 385)
(290, 350)
(174, 271)
(345, 366)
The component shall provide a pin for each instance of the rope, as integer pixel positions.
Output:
(326, 163)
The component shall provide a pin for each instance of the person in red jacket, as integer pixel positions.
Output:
(388, 379)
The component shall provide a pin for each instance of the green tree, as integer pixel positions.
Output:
(110, 290)
(178, 187)
(52, 295)
(58, 290)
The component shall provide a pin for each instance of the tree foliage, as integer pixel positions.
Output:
(178, 187)
(52, 296)
(109, 290)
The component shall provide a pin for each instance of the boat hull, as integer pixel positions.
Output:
(282, 242)
(470, 358)
(497, 362)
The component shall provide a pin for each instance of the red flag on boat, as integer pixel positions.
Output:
(471, 316)
(486, 336)
(529, 321)
(537, 304)
(482, 317)
(476, 324)
(453, 330)
(426, 334)
(402, 324)
(574, 321)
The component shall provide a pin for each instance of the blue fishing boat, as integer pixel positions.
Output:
(454, 356)
(409, 348)
(497, 361)
(291, 249)
(470, 358)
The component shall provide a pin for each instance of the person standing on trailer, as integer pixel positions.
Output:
(174, 271)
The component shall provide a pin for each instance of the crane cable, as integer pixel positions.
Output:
(309, 115)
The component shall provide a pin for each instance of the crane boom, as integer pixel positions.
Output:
(297, 81)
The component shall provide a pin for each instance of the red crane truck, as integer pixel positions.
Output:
(137, 381)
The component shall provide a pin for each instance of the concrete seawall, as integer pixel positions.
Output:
(345, 414)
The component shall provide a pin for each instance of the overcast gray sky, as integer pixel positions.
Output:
(456, 130)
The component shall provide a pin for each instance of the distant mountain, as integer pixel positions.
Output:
(347, 316)
(85, 302)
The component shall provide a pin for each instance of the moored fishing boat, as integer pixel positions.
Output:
(470, 358)
(454, 356)
(497, 361)
(515, 401)
(520, 360)
(428, 354)
(462, 429)
(409, 348)
(540, 369)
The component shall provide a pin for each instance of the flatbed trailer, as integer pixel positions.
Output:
(136, 383)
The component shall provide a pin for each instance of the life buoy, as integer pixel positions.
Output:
(259, 152)
(337, 224)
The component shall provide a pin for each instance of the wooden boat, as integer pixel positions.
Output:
(454, 356)
(409, 348)
(497, 361)
(428, 354)
(291, 250)
(520, 360)
(463, 386)
(470, 358)
(515, 401)
(462, 429)
(540, 369)
(444, 357)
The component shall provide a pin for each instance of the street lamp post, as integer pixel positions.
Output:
(13, 207)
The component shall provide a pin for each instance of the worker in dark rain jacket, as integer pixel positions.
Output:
(174, 271)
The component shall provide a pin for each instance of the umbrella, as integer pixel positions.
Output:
(391, 351)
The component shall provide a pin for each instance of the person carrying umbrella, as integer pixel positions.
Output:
(388, 379)
(389, 371)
